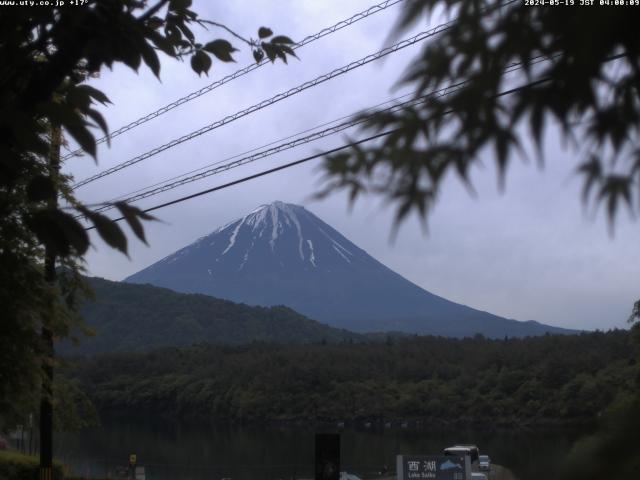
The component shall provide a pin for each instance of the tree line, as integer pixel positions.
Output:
(553, 379)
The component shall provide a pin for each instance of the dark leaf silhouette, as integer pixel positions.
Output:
(264, 32)
(221, 49)
(518, 66)
(132, 215)
(41, 188)
(200, 62)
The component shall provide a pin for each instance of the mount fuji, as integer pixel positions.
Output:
(282, 254)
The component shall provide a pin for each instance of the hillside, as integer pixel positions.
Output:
(130, 317)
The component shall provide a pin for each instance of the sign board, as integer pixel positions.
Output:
(140, 475)
(133, 459)
(432, 467)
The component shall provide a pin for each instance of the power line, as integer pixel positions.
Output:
(248, 156)
(255, 149)
(311, 157)
(263, 173)
(265, 103)
(282, 145)
(352, 122)
(238, 73)
(281, 96)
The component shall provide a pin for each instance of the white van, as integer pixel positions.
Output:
(471, 451)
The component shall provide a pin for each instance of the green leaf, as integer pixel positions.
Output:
(108, 230)
(277, 50)
(258, 55)
(280, 53)
(150, 58)
(48, 232)
(155, 22)
(74, 232)
(282, 39)
(190, 14)
(94, 93)
(172, 33)
(264, 32)
(635, 312)
(222, 49)
(97, 117)
(72, 121)
(287, 50)
(83, 136)
(186, 31)
(128, 54)
(200, 62)
(58, 231)
(612, 189)
(27, 133)
(41, 188)
(78, 98)
(179, 4)
(162, 43)
(269, 50)
(592, 170)
(131, 214)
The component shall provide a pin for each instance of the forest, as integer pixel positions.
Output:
(127, 317)
(547, 380)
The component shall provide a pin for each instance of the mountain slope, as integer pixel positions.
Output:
(129, 317)
(283, 254)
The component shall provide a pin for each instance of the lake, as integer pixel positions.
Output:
(173, 451)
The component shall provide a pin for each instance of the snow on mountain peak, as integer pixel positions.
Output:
(277, 228)
(275, 217)
(269, 224)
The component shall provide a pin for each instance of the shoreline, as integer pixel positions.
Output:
(377, 425)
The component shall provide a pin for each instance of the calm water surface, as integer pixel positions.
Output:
(170, 452)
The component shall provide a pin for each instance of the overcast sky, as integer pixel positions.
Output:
(530, 252)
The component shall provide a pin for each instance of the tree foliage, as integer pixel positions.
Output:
(127, 317)
(635, 312)
(26, 300)
(553, 379)
(617, 437)
(46, 55)
(587, 86)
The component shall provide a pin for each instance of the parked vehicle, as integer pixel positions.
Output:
(478, 476)
(465, 450)
(484, 462)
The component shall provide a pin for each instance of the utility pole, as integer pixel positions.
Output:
(46, 395)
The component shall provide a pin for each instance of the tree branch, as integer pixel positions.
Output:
(219, 25)
(153, 10)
